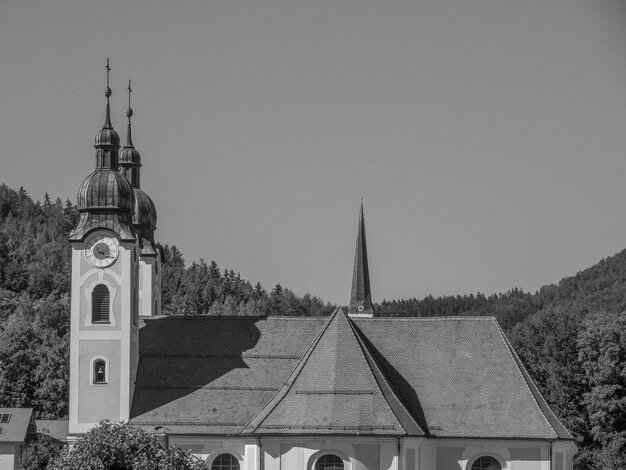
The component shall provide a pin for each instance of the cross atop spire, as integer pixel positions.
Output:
(361, 295)
(129, 92)
(108, 67)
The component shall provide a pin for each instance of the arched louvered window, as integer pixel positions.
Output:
(99, 371)
(225, 462)
(100, 304)
(486, 462)
(329, 462)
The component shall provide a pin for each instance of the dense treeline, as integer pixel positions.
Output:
(509, 308)
(35, 261)
(570, 336)
(202, 289)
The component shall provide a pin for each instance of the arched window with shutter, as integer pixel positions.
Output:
(100, 304)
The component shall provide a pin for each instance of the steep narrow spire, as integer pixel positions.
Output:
(130, 160)
(361, 295)
(129, 114)
(145, 217)
(107, 93)
(107, 142)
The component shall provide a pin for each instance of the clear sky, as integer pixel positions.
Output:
(487, 136)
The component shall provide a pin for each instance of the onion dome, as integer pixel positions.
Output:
(105, 189)
(145, 215)
(105, 198)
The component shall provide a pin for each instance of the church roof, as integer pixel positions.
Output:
(337, 388)
(439, 377)
(462, 374)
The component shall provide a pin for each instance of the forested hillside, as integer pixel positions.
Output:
(570, 336)
(572, 339)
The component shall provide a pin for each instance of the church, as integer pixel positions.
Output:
(352, 391)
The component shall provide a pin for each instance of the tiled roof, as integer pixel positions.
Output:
(211, 375)
(336, 388)
(462, 375)
(17, 427)
(441, 377)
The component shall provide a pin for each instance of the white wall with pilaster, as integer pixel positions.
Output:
(370, 453)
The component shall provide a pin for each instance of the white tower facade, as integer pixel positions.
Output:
(115, 278)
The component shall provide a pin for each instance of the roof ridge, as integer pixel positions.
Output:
(258, 418)
(372, 363)
(369, 368)
(178, 316)
(446, 318)
(525, 377)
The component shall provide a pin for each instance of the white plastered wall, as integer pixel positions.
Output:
(369, 453)
(120, 277)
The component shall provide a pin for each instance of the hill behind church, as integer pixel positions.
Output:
(559, 331)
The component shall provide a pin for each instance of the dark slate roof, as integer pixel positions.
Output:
(20, 425)
(337, 388)
(211, 375)
(462, 376)
(440, 377)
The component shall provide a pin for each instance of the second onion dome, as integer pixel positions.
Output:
(145, 215)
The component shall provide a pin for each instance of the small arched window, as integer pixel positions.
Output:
(486, 462)
(99, 371)
(225, 462)
(329, 462)
(100, 304)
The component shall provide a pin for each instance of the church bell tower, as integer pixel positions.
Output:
(144, 224)
(104, 306)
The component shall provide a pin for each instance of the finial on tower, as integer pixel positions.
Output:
(129, 113)
(107, 93)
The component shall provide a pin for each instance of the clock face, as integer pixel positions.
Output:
(102, 251)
